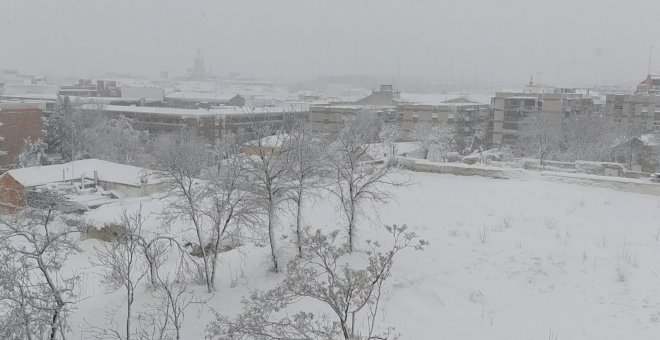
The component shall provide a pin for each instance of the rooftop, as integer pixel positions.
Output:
(107, 172)
(229, 110)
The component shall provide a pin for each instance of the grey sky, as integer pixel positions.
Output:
(567, 41)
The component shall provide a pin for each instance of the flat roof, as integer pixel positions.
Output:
(107, 172)
(229, 110)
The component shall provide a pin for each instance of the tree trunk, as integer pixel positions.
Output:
(351, 226)
(53, 324)
(59, 303)
(207, 278)
(129, 305)
(152, 269)
(271, 235)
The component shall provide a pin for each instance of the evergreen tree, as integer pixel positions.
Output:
(61, 131)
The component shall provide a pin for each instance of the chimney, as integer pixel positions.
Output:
(96, 178)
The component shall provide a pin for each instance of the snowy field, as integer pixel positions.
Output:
(508, 259)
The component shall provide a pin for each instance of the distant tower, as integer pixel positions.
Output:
(198, 72)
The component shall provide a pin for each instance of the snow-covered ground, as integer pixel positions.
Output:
(509, 259)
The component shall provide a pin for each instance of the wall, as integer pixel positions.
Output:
(19, 121)
(12, 194)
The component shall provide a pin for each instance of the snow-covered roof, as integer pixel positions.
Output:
(229, 110)
(439, 98)
(201, 96)
(107, 172)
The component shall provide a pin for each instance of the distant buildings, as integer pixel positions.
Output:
(198, 71)
(642, 107)
(465, 117)
(385, 96)
(191, 100)
(510, 108)
(210, 123)
(18, 121)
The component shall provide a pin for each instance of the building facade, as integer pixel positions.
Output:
(640, 108)
(510, 108)
(18, 121)
(212, 124)
(466, 118)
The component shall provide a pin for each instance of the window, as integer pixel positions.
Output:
(201, 122)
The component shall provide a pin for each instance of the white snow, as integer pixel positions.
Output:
(578, 262)
(230, 110)
(107, 172)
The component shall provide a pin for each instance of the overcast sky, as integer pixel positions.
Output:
(567, 42)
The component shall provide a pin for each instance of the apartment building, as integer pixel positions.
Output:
(510, 108)
(328, 119)
(465, 117)
(18, 121)
(640, 108)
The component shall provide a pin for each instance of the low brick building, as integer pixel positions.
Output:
(13, 195)
(18, 121)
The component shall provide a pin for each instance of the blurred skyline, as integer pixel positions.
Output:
(561, 42)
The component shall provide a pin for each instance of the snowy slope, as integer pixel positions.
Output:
(575, 262)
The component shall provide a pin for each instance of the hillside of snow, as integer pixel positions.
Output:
(508, 259)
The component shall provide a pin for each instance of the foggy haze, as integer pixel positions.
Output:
(561, 41)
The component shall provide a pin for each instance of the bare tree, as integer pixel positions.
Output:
(358, 178)
(176, 297)
(629, 140)
(306, 164)
(269, 164)
(121, 267)
(434, 138)
(540, 134)
(325, 277)
(587, 137)
(181, 159)
(35, 296)
(228, 202)
(163, 319)
(389, 135)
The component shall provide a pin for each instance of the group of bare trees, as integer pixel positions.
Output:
(217, 196)
(586, 137)
(436, 141)
(35, 296)
(351, 295)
